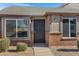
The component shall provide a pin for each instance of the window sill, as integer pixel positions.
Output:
(20, 38)
(68, 38)
(55, 33)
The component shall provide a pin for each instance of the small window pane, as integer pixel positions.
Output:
(73, 27)
(10, 28)
(66, 27)
(22, 33)
(22, 28)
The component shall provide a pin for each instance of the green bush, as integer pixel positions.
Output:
(4, 44)
(21, 46)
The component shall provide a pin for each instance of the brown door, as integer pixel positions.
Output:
(39, 31)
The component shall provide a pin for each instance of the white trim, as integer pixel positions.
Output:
(68, 38)
(5, 27)
(20, 39)
(29, 29)
(16, 29)
(69, 27)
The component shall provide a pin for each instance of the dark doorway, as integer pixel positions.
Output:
(39, 31)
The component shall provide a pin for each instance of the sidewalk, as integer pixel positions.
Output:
(41, 50)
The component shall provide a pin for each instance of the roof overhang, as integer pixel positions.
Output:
(62, 14)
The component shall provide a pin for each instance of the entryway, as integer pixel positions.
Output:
(39, 31)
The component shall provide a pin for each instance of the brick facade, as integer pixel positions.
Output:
(55, 39)
(14, 42)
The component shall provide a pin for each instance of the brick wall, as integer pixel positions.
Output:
(14, 42)
(55, 39)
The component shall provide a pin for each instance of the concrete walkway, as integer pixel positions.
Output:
(42, 50)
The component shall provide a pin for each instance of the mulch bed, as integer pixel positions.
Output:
(65, 51)
(12, 52)
(68, 50)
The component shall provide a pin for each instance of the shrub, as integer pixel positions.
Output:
(4, 44)
(21, 46)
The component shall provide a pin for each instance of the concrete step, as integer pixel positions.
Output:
(42, 51)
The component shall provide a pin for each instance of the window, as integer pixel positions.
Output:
(73, 27)
(11, 28)
(65, 27)
(22, 28)
(69, 27)
(17, 28)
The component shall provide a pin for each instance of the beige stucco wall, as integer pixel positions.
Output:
(54, 23)
(54, 27)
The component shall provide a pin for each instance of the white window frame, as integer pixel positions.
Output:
(69, 18)
(17, 29)
(6, 27)
(28, 32)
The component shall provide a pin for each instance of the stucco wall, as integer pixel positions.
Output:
(54, 24)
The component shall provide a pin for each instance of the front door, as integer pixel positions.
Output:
(39, 31)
